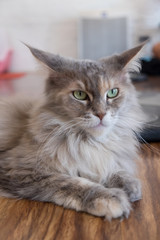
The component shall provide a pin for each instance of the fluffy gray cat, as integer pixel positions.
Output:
(76, 146)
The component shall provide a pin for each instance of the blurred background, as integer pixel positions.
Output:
(74, 28)
(80, 29)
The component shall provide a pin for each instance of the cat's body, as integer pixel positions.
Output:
(78, 153)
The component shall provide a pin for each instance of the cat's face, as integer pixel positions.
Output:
(88, 95)
(91, 102)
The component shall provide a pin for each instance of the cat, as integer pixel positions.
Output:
(77, 144)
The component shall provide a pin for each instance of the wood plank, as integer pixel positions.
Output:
(31, 220)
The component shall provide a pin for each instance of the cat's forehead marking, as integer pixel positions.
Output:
(103, 85)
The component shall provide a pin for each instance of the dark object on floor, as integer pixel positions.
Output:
(151, 133)
(138, 77)
(151, 67)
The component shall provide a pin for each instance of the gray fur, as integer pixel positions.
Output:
(52, 150)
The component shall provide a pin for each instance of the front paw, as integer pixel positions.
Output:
(133, 189)
(114, 205)
(129, 184)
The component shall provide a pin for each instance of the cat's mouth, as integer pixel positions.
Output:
(99, 125)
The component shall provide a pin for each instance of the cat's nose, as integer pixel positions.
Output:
(101, 115)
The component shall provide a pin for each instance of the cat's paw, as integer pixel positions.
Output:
(133, 189)
(114, 205)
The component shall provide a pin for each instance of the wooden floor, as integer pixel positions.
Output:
(29, 220)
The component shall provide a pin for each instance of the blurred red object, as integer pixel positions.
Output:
(6, 83)
(9, 76)
(5, 61)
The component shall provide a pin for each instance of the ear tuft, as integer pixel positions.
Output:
(130, 59)
(52, 61)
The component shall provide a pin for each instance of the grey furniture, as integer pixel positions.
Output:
(101, 37)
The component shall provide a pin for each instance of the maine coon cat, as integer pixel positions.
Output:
(76, 146)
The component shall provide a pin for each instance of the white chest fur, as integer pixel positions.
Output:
(91, 159)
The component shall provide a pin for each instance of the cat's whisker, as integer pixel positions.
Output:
(125, 124)
(49, 140)
(129, 120)
(138, 134)
(147, 144)
(61, 129)
(136, 121)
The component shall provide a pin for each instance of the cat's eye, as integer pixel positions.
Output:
(112, 93)
(80, 95)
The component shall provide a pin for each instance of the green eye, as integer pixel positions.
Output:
(80, 95)
(112, 93)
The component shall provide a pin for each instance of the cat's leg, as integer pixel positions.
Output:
(74, 192)
(128, 183)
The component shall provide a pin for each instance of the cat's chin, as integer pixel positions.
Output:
(98, 130)
(99, 126)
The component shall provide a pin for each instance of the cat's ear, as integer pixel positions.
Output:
(51, 61)
(129, 60)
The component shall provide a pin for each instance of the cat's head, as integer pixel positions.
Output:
(92, 96)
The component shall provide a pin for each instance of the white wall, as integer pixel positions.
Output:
(52, 24)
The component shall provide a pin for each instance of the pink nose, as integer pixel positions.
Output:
(100, 115)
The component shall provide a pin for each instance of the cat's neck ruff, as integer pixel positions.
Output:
(89, 157)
